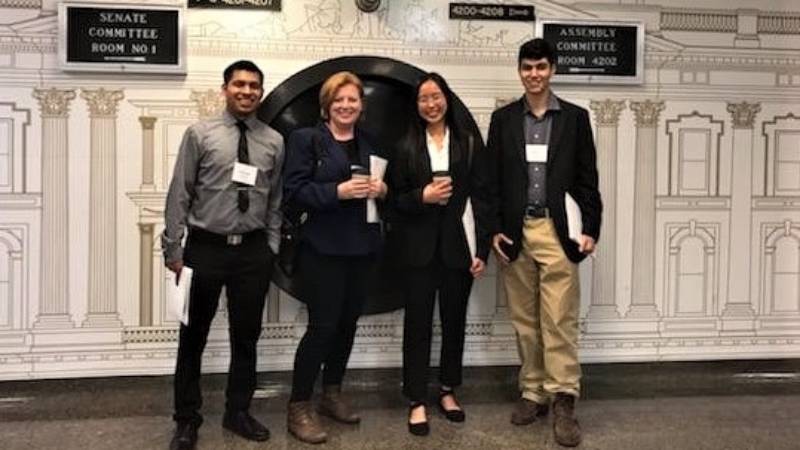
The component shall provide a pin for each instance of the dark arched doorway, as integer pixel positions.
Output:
(388, 89)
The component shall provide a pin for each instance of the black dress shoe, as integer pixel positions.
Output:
(453, 415)
(421, 428)
(185, 437)
(243, 424)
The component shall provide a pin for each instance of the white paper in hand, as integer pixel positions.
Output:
(468, 220)
(377, 169)
(574, 218)
(178, 295)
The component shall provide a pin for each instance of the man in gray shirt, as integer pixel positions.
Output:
(226, 191)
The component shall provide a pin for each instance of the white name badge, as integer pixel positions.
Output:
(244, 173)
(536, 153)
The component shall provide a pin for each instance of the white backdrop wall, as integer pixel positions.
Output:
(700, 174)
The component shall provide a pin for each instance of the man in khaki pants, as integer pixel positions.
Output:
(541, 149)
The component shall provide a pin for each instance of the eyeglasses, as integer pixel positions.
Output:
(430, 98)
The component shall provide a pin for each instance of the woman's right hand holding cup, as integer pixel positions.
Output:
(438, 191)
(355, 187)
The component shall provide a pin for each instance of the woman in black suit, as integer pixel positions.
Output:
(324, 174)
(432, 179)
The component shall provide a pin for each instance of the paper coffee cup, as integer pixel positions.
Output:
(442, 176)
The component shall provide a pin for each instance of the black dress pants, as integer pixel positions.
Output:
(334, 289)
(421, 285)
(245, 271)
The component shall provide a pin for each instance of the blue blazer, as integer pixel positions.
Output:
(334, 227)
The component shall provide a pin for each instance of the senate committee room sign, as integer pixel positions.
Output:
(596, 51)
(125, 38)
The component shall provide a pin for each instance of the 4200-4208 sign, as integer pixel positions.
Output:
(491, 11)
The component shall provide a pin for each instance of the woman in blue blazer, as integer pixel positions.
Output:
(432, 178)
(326, 174)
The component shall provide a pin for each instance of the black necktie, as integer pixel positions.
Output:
(242, 199)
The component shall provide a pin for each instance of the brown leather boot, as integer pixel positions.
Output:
(566, 430)
(334, 406)
(527, 411)
(303, 423)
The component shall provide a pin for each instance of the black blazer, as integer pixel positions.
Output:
(334, 227)
(422, 228)
(571, 167)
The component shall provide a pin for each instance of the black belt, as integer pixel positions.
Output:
(208, 237)
(537, 212)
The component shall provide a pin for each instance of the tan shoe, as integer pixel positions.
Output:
(334, 406)
(526, 411)
(566, 430)
(303, 423)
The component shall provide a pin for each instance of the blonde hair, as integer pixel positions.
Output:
(331, 85)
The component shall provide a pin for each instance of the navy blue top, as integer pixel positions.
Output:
(334, 227)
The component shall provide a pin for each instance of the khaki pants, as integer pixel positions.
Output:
(543, 300)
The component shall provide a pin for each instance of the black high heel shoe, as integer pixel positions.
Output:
(421, 428)
(453, 415)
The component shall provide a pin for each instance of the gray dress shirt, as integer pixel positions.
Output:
(537, 131)
(202, 193)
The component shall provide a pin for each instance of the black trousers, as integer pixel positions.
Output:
(335, 289)
(244, 270)
(422, 284)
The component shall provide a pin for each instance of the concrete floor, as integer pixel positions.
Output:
(710, 405)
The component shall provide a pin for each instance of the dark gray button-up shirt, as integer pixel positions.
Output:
(202, 193)
(537, 131)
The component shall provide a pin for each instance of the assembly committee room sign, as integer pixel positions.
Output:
(125, 38)
(596, 51)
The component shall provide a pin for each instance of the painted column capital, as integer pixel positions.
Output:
(647, 112)
(148, 123)
(606, 112)
(744, 114)
(54, 102)
(209, 102)
(102, 102)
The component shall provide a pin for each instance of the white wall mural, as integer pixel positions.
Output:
(699, 169)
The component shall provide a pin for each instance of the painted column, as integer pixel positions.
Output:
(54, 297)
(146, 230)
(148, 152)
(146, 242)
(644, 210)
(738, 314)
(102, 311)
(604, 299)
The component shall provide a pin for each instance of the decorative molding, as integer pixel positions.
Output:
(772, 123)
(102, 102)
(54, 102)
(776, 203)
(209, 102)
(21, 4)
(678, 203)
(606, 112)
(776, 23)
(698, 21)
(647, 112)
(743, 114)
